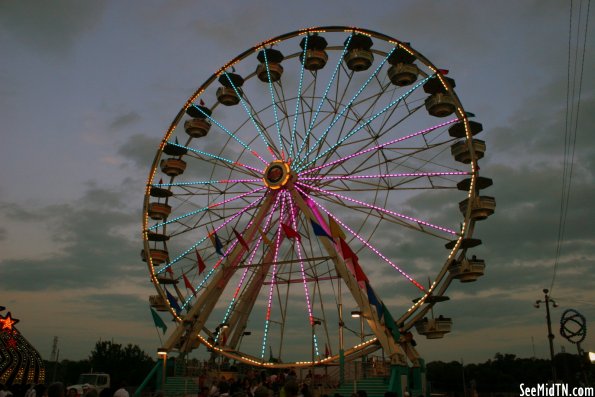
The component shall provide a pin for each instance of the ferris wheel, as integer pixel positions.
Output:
(322, 174)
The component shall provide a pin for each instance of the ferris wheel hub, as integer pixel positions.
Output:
(277, 175)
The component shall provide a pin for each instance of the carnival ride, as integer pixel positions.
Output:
(309, 176)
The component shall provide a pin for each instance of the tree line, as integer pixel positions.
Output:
(503, 373)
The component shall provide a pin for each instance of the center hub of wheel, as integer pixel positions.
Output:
(277, 174)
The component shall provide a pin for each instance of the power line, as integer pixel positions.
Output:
(574, 82)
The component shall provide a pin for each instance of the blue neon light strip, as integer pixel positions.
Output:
(393, 103)
(328, 87)
(198, 211)
(266, 64)
(345, 108)
(297, 104)
(248, 112)
(201, 152)
(243, 210)
(231, 134)
(212, 182)
(254, 251)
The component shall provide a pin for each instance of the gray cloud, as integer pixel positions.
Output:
(96, 247)
(124, 120)
(49, 27)
(140, 149)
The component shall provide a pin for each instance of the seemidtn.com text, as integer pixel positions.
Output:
(555, 390)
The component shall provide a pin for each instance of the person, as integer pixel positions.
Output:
(262, 391)
(56, 389)
(121, 390)
(40, 391)
(91, 392)
(71, 392)
(30, 391)
(292, 388)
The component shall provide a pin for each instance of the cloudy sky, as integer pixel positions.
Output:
(87, 90)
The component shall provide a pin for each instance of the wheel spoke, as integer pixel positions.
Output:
(207, 208)
(273, 279)
(250, 114)
(231, 134)
(231, 305)
(366, 243)
(379, 209)
(377, 147)
(214, 156)
(199, 242)
(372, 118)
(345, 108)
(330, 83)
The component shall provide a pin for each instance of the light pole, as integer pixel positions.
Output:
(360, 315)
(163, 354)
(550, 335)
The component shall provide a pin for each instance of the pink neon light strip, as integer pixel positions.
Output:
(422, 132)
(276, 256)
(401, 175)
(253, 254)
(409, 218)
(299, 252)
(367, 244)
(243, 278)
(248, 167)
(255, 153)
(273, 277)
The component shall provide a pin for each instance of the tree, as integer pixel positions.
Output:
(128, 363)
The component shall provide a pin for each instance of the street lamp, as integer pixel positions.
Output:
(161, 352)
(359, 314)
(550, 335)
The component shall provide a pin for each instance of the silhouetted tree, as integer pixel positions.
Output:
(124, 363)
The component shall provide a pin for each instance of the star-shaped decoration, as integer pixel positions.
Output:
(7, 322)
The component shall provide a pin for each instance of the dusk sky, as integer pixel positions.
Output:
(88, 89)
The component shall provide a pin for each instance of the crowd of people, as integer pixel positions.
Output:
(285, 384)
(57, 389)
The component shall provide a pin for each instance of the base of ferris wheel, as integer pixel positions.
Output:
(370, 369)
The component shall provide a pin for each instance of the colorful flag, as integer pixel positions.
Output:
(216, 243)
(347, 252)
(241, 240)
(389, 322)
(319, 230)
(360, 276)
(335, 228)
(290, 233)
(201, 263)
(265, 239)
(170, 271)
(188, 284)
(172, 301)
(158, 321)
(373, 299)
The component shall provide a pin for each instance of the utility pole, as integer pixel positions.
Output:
(550, 335)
